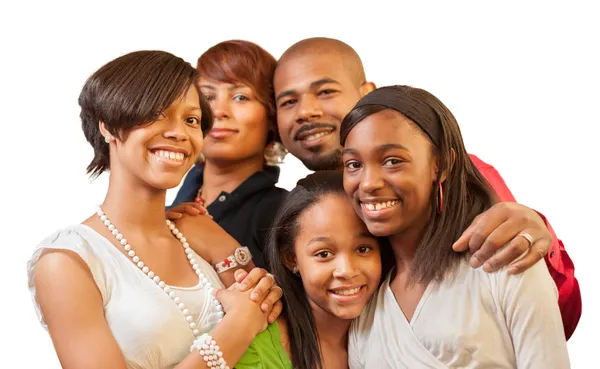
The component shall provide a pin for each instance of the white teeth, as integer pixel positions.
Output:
(170, 155)
(380, 205)
(347, 292)
(315, 136)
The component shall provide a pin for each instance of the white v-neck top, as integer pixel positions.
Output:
(147, 325)
(471, 320)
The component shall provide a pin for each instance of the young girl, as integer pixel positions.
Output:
(236, 182)
(410, 179)
(125, 289)
(329, 267)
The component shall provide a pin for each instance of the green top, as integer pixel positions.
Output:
(266, 352)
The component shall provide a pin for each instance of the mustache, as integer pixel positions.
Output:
(310, 126)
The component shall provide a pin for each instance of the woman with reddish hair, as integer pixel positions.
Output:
(236, 179)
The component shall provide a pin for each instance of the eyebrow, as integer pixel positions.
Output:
(313, 85)
(233, 87)
(318, 239)
(379, 148)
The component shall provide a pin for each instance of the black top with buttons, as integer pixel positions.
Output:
(246, 213)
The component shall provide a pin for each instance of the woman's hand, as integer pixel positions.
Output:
(264, 290)
(188, 208)
(247, 313)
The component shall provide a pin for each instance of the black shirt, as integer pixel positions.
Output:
(246, 213)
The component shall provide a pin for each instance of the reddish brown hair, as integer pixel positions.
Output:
(246, 62)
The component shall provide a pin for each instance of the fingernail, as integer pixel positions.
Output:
(253, 296)
(264, 307)
(474, 262)
(243, 287)
(487, 268)
(512, 270)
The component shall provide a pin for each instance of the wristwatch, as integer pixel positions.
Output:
(241, 256)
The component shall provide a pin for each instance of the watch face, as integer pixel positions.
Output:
(242, 255)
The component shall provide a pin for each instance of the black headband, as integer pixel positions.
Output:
(399, 99)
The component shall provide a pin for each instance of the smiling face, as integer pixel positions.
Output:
(389, 171)
(160, 153)
(338, 260)
(313, 94)
(240, 126)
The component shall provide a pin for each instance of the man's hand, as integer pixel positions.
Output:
(495, 238)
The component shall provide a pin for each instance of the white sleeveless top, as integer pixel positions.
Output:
(147, 325)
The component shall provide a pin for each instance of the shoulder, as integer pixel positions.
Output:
(270, 201)
(525, 287)
(76, 238)
(77, 248)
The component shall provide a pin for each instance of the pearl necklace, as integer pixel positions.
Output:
(203, 280)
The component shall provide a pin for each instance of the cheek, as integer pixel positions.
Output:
(252, 121)
(314, 276)
(197, 141)
(351, 182)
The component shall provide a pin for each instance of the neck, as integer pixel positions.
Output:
(138, 208)
(332, 331)
(405, 245)
(227, 176)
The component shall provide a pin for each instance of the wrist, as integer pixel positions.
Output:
(239, 257)
(246, 326)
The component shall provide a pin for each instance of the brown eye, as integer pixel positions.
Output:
(192, 121)
(364, 249)
(323, 254)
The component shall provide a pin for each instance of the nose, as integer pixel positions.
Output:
(221, 108)
(345, 267)
(176, 130)
(309, 108)
(371, 179)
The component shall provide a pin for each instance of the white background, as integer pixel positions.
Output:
(522, 79)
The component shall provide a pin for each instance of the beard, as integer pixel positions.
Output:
(330, 161)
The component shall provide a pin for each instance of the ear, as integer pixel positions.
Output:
(103, 129)
(449, 167)
(366, 87)
(289, 261)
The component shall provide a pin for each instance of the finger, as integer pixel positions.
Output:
(221, 295)
(511, 251)
(493, 239)
(255, 275)
(274, 295)
(239, 275)
(484, 224)
(462, 244)
(277, 309)
(535, 254)
(191, 210)
(172, 215)
(262, 289)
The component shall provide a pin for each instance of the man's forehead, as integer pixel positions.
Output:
(306, 72)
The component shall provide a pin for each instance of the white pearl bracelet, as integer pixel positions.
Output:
(210, 352)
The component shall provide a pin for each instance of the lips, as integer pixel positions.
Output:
(222, 132)
(348, 295)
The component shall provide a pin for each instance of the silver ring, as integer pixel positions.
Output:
(526, 236)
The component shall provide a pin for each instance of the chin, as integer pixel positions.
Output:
(349, 313)
(380, 229)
